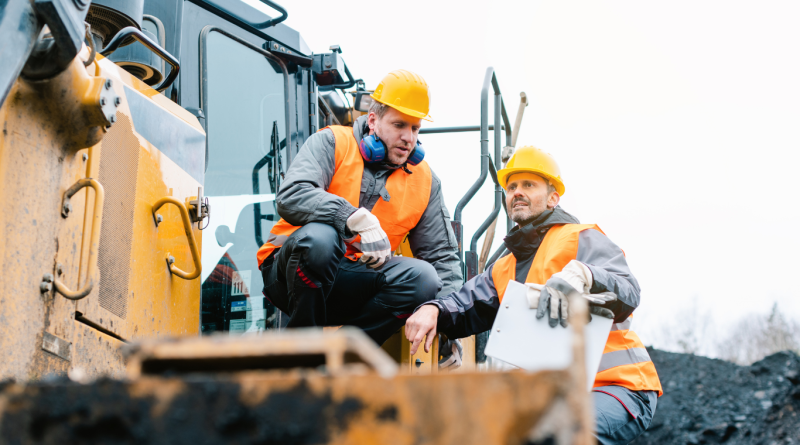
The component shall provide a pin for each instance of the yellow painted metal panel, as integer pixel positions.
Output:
(42, 144)
(96, 353)
(142, 298)
(160, 302)
(422, 362)
(47, 128)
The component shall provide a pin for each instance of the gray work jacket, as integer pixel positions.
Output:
(303, 199)
(473, 308)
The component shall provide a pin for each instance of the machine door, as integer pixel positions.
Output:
(246, 112)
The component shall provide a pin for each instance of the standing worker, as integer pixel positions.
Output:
(348, 200)
(549, 247)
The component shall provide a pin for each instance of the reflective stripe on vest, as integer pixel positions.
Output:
(621, 326)
(623, 357)
(625, 360)
(408, 196)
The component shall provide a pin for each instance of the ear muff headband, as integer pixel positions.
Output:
(373, 150)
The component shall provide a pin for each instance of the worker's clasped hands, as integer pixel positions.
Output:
(552, 297)
(375, 246)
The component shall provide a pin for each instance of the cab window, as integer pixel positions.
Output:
(245, 109)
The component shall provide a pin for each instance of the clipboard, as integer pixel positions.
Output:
(520, 339)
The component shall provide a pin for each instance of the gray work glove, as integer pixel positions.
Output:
(554, 301)
(598, 303)
(375, 245)
(575, 278)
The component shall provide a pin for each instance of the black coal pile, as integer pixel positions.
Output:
(709, 401)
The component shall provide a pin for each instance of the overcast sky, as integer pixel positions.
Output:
(675, 125)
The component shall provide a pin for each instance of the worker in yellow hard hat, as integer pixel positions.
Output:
(349, 198)
(534, 161)
(406, 92)
(556, 257)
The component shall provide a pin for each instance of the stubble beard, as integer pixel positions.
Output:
(394, 159)
(524, 215)
(390, 155)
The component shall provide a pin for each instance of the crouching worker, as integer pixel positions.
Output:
(549, 247)
(349, 198)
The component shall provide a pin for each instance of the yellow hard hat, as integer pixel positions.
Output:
(406, 92)
(532, 160)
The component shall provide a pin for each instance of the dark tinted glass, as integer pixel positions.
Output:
(246, 114)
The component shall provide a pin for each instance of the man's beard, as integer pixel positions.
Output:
(524, 216)
(391, 158)
(395, 160)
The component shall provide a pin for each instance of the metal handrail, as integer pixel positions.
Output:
(462, 129)
(498, 191)
(508, 151)
(187, 227)
(263, 25)
(484, 158)
(97, 217)
(500, 113)
(506, 122)
(148, 43)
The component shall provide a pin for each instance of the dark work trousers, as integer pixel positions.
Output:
(309, 279)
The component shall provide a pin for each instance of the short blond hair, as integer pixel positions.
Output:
(378, 108)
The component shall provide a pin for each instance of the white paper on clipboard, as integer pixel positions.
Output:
(522, 340)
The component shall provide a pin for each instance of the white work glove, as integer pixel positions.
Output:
(375, 244)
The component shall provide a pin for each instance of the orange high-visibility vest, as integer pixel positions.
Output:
(408, 197)
(625, 360)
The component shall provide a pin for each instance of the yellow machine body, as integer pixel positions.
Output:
(424, 362)
(54, 136)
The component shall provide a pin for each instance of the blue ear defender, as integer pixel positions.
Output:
(417, 155)
(373, 150)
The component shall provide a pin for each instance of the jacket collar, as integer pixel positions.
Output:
(525, 240)
(360, 128)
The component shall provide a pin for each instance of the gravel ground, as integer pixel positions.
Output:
(708, 401)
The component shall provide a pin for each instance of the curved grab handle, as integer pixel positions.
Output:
(97, 218)
(187, 227)
(263, 25)
(130, 31)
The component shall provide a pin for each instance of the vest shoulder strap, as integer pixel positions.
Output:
(349, 162)
(503, 271)
(559, 247)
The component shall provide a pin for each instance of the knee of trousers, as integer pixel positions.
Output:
(422, 278)
(319, 246)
